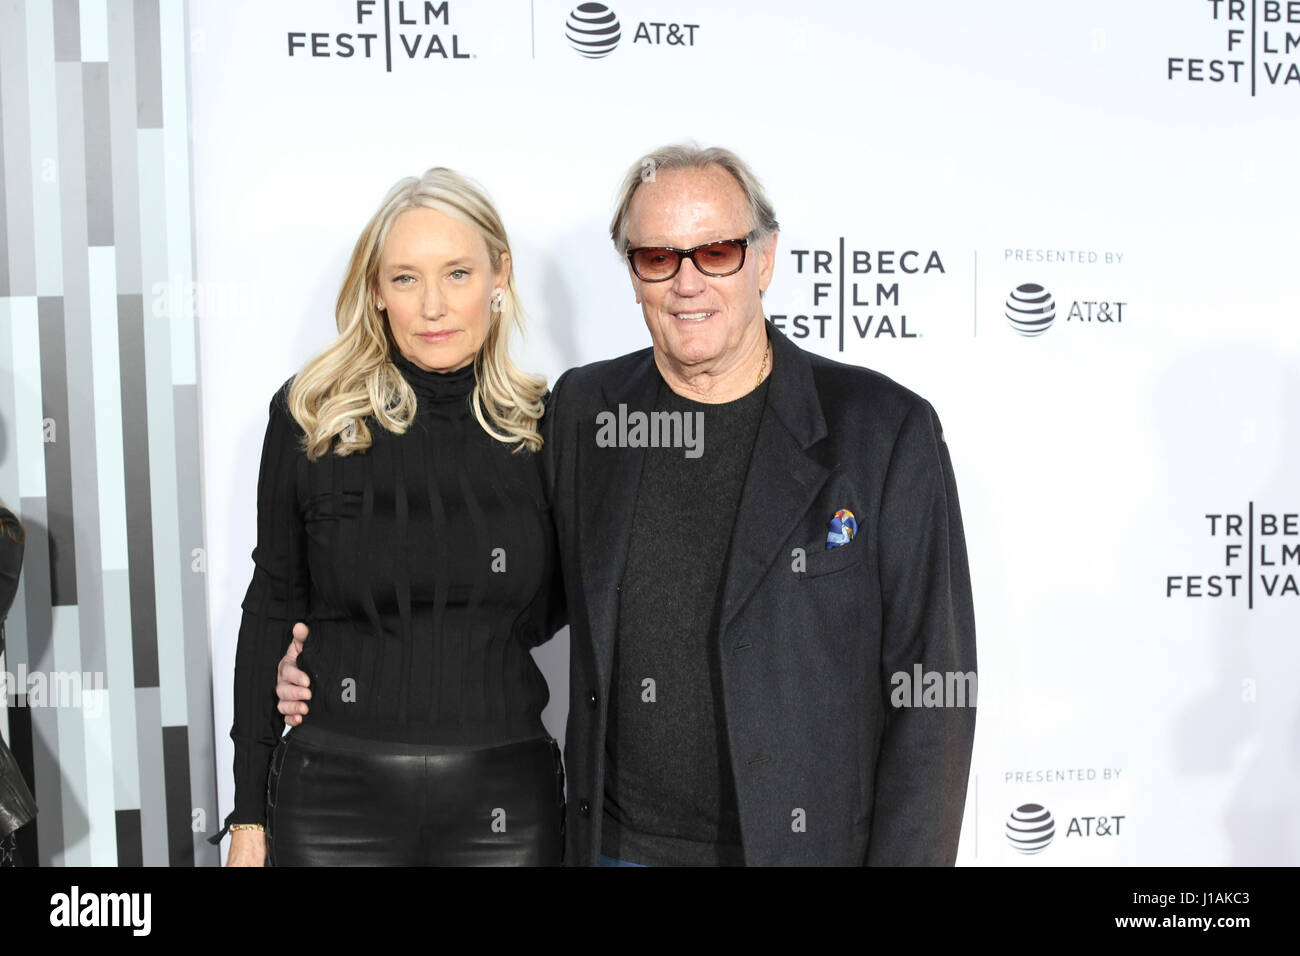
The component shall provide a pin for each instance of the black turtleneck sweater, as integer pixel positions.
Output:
(425, 570)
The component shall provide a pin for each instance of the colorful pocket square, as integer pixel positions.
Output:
(843, 527)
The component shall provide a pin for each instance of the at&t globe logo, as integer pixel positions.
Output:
(1030, 309)
(593, 30)
(1030, 828)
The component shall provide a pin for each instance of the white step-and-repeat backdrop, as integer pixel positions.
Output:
(1129, 472)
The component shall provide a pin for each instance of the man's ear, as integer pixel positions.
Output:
(767, 262)
(636, 283)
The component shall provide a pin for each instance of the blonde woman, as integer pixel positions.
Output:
(401, 515)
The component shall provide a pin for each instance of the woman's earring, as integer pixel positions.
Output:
(379, 306)
(497, 296)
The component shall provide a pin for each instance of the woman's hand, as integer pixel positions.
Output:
(292, 685)
(247, 848)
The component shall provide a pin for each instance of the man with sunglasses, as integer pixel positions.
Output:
(739, 618)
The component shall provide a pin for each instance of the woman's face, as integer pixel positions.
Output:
(435, 284)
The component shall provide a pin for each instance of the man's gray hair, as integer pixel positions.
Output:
(762, 220)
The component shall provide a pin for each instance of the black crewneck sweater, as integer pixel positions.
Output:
(425, 569)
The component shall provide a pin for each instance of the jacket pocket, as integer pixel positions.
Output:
(828, 561)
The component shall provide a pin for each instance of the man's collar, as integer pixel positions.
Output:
(793, 393)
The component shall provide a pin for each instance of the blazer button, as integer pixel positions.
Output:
(591, 701)
(584, 808)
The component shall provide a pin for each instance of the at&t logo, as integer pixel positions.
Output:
(593, 30)
(1031, 310)
(1030, 828)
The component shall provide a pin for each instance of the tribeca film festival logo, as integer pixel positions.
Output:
(857, 292)
(593, 30)
(380, 29)
(1260, 555)
(1260, 43)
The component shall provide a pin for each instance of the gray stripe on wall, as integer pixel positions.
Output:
(81, 428)
(99, 155)
(153, 801)
(10, 470)
(17, 257)
(117, 676)
(148, 65)
(198, 662)
(180, 835)
(139, 520)
(97, 729)
(8, 439)
(79, 631)
(9, 497)
(71, 741)
(122, 120)
(32, 646)
(155, 379)
(67, 31)
(43, 132)
(9, 491)
(4, 213)
(58, 464)
(129, 825)
(167, 505)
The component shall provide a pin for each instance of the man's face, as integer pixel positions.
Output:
(693, 318)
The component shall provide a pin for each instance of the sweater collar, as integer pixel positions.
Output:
(435, 387)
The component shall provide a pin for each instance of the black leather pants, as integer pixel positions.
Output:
(335, 800)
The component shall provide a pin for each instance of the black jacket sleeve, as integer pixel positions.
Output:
(929, 620)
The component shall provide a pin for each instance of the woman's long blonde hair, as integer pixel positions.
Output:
(354, 378)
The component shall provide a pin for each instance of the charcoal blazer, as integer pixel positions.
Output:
(828, 769)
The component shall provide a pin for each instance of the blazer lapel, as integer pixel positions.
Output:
(782, 481)
(610, 479)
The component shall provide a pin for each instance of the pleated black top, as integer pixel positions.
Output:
(425, 568)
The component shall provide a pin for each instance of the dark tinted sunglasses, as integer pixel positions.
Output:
(660, 263)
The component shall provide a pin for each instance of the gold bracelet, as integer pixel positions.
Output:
(247, 826)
